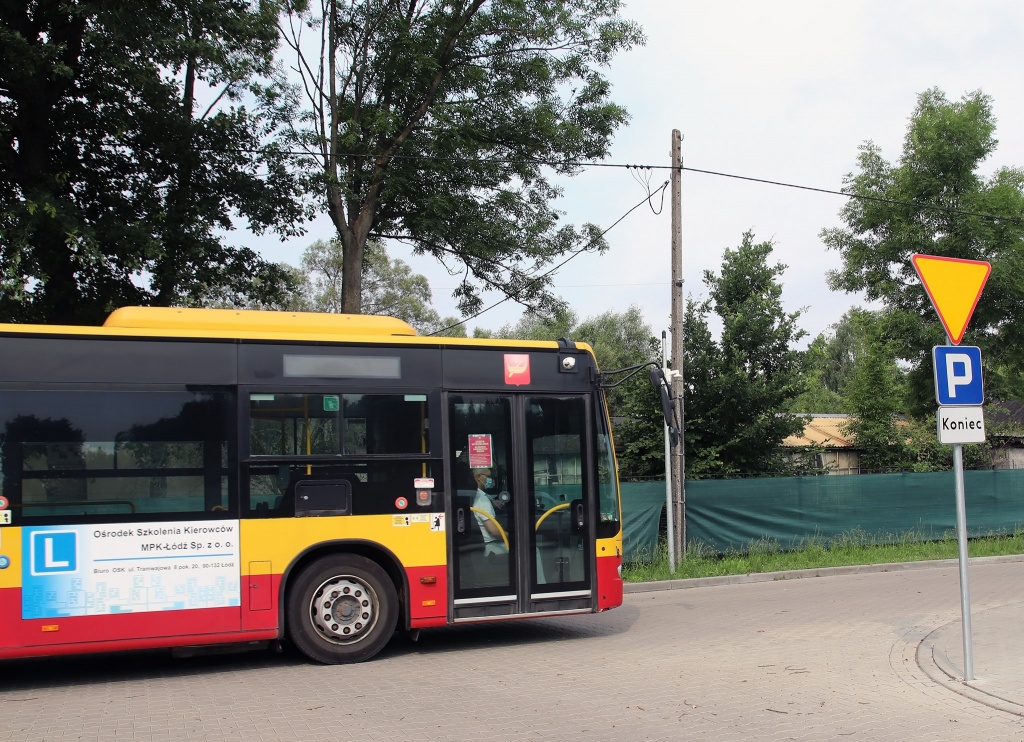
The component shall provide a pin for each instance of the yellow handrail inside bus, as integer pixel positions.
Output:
(309, 432)
(501, 531)
(540, 520)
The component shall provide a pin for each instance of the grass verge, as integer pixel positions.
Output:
(854, 548)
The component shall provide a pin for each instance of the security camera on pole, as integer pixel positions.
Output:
(954, 287)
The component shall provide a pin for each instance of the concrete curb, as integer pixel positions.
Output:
(938, 667)
(799, 574)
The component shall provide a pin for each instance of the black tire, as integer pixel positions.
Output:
(341, 608)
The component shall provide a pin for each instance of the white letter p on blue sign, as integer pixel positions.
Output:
(958, 377)
(958, 372)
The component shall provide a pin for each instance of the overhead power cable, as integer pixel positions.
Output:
(636, 168)
(574, 254)
(863, 197)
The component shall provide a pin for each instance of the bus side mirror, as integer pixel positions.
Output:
(660, 384)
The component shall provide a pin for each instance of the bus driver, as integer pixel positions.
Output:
(489, 529)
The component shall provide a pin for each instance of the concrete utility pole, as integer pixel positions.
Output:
(669, 499)
(678, 513)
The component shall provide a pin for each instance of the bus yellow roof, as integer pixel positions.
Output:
(251, 320)
(258, 324)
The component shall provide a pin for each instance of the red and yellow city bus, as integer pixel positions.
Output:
(190, 477)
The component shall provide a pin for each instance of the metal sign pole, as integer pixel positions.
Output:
(961, 539)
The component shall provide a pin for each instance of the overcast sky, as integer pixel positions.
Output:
(783, 91)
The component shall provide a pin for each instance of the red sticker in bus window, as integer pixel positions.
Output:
(481, 454)
(517, 368)
(401, 503)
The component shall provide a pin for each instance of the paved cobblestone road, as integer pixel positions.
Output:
(812, 659)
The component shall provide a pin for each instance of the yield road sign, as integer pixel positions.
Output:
(961, 425)
(958, 377)
(954, 287)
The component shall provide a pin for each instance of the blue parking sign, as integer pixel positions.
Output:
(958, 378)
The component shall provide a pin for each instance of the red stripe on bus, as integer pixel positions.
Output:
(69, 634)
(609, 582)
(124, 645)
(428, 596)
(260, 595)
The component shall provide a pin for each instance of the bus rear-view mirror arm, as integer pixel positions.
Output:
(660, 380)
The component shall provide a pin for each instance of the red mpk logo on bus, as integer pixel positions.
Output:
(517, 368)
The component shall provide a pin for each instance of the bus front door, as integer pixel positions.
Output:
(521, 531)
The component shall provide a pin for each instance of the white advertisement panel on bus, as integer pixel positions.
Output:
(89, 570)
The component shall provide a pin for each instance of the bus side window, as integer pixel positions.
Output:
(162, 452)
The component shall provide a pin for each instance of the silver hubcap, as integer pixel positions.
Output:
(343, 609)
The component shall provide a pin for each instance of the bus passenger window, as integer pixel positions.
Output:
(115, 453)
(290, 424)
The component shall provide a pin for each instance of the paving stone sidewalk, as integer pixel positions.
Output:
(868, 655)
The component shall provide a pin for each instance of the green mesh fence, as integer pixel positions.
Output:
(730, 514)
(642, 506)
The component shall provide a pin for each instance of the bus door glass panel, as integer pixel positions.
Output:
(556, 461)
(483, 509)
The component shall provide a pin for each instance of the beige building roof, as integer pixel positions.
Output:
(822, 430)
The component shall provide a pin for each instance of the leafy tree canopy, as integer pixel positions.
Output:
(438, 124)
(935, 201)
(874, 392)
(831, 360)
(116, 183)
(390, 287)
(737, 388)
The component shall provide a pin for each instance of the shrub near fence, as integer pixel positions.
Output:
(729, 514)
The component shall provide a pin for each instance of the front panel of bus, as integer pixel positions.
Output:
(534, 511)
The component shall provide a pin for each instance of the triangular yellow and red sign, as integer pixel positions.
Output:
(954, 285)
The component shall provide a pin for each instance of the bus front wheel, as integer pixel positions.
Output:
(342, 608)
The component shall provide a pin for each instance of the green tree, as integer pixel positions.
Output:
(390, 288)
(640, 435)
(935, 201)
(620, 340)
(830, 362)
(561, 323)
(876, 399)
(116, 185)
(817, 396)
(438, 123)
(737, 388)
